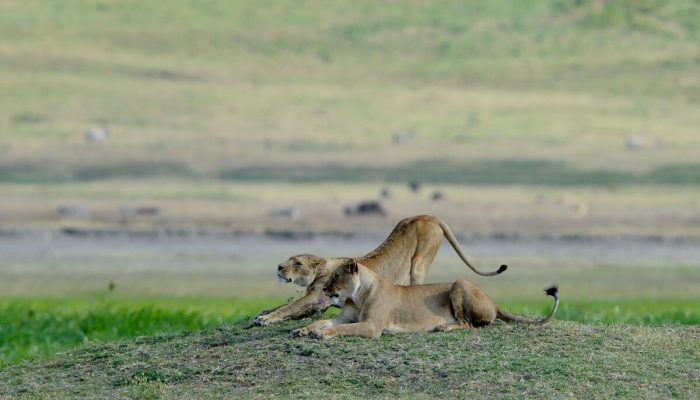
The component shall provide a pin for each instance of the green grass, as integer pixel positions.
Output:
(39, 173)
(639, 311)
(558, 360)
(506, 172)
(37, 327)
(501, 172)
(40, 327)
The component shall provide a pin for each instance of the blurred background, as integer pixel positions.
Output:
(159, 159)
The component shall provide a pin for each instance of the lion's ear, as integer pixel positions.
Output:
(317, 262)
(350, 266)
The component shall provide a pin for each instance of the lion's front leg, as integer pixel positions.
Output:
(362, 329)
(307, 305)
(349, 314)
(322, 324)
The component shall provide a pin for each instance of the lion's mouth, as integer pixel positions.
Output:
(283, 279)
(335, 299)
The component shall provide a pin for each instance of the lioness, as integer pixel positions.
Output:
(404, 258)
(374, 305)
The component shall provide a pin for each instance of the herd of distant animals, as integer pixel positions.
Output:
(383, 291)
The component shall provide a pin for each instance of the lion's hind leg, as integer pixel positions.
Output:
(426, 250)
(470, 305)
(451, 327)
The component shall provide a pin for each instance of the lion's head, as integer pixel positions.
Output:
(300, 269)
(343, 282)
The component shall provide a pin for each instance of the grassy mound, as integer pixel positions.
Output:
(41, 327)
(563, 359)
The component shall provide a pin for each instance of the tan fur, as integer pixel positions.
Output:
(403, 258)
(374, 305)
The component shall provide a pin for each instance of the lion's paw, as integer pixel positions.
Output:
(300, 332)
(264, 320)
(443, 328)
(318, 335)
(264, 312)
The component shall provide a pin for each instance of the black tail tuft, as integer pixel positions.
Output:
(552, 291)
(502, 268)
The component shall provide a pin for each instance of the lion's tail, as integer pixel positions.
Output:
(455, 245)
(551, 291)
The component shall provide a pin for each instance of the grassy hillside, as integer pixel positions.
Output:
(41, 327)
(559, 360)
(203, 89)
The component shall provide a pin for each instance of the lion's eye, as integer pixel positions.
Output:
(297, 265)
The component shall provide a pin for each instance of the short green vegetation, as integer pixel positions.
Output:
(31, 328)
(41, 327)
(491, 173)
(559, 360)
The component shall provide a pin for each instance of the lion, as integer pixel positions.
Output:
(404, 258)
(373, 305)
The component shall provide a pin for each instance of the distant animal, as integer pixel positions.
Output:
(96, 134)
(126, 211)
(403, 137)
(414, 186)
(385, 193)
(369, 207)
(403, 258)
(147, 211)
(373, 305)
(437, 195)
(580, 209)
(286, 212)
(635, 142)
(73, 211)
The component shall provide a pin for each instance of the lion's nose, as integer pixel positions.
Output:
(279, 267)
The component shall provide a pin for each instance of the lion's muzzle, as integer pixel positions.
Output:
(335, 298)
(282, 278)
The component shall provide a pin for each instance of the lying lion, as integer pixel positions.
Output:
(374, 305)
(404, 258)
